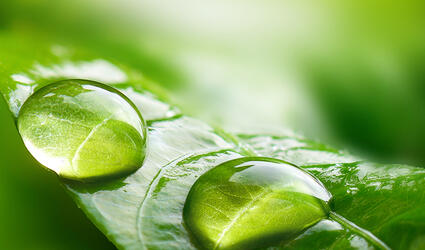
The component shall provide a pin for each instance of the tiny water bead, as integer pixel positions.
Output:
(253, 202)
(83, 130)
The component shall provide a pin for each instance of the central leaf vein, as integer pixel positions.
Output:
(238, 216)
(94, 129)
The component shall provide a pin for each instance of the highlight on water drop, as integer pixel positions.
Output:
(83, 130)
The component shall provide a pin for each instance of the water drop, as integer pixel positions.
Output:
(83, 130)
(253, 202)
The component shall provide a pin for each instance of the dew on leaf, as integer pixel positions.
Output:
(83, 130)
(253, 202)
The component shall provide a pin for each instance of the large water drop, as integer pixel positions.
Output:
(252, 203)
(83, 130)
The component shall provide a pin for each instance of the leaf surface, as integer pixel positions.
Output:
(385, 199)
(380, 204)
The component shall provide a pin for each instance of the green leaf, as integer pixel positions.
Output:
(160, 214)
(385, 199)
(167, 141)
(373, 206)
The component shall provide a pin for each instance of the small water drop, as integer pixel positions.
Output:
(83, 130)
(253, 202)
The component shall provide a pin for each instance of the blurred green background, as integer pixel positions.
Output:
(351, 74)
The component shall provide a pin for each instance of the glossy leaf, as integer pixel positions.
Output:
(373, 205)
(385, 199)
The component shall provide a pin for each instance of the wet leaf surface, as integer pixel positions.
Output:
(380, 204)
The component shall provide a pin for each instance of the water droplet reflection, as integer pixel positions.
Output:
(83, 130)
(253, 202)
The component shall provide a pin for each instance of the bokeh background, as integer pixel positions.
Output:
(348, 73)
